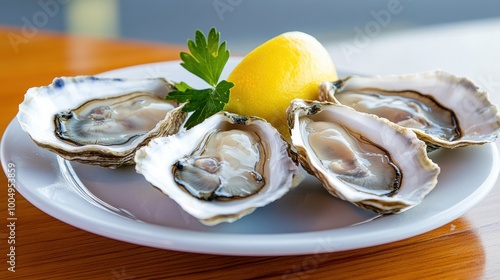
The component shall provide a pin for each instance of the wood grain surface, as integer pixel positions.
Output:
(46, 248)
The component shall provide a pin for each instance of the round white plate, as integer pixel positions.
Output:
(120, 204)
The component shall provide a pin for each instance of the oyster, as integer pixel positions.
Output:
(443, 110)
(221, 169)
(99, 121)
(361, 158)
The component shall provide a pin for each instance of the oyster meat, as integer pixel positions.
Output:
(99, 121)
(443, 110)
(361, 158)
(221, 169)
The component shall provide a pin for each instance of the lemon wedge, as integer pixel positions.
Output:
(286, 67)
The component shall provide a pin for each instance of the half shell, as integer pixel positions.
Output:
(222, 169)
(361, 158)
(444, 110)
(99, 121)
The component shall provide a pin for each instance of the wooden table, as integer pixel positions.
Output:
(467, 248)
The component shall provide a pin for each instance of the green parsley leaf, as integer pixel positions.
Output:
(203, 103)
(206, 60)
(182, 86)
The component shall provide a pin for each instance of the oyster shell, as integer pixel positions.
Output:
(443, 110)
(221, 169)
(361, 158)
(99, 121)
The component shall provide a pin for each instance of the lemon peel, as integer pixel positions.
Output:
(267, 79)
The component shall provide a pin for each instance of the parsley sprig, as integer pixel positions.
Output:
(206, 60)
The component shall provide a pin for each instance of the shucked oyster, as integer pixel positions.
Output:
(443, 110)
(361, 158)
(99, 121)
(221, 169)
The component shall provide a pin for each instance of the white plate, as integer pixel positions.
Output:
(120, 204)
